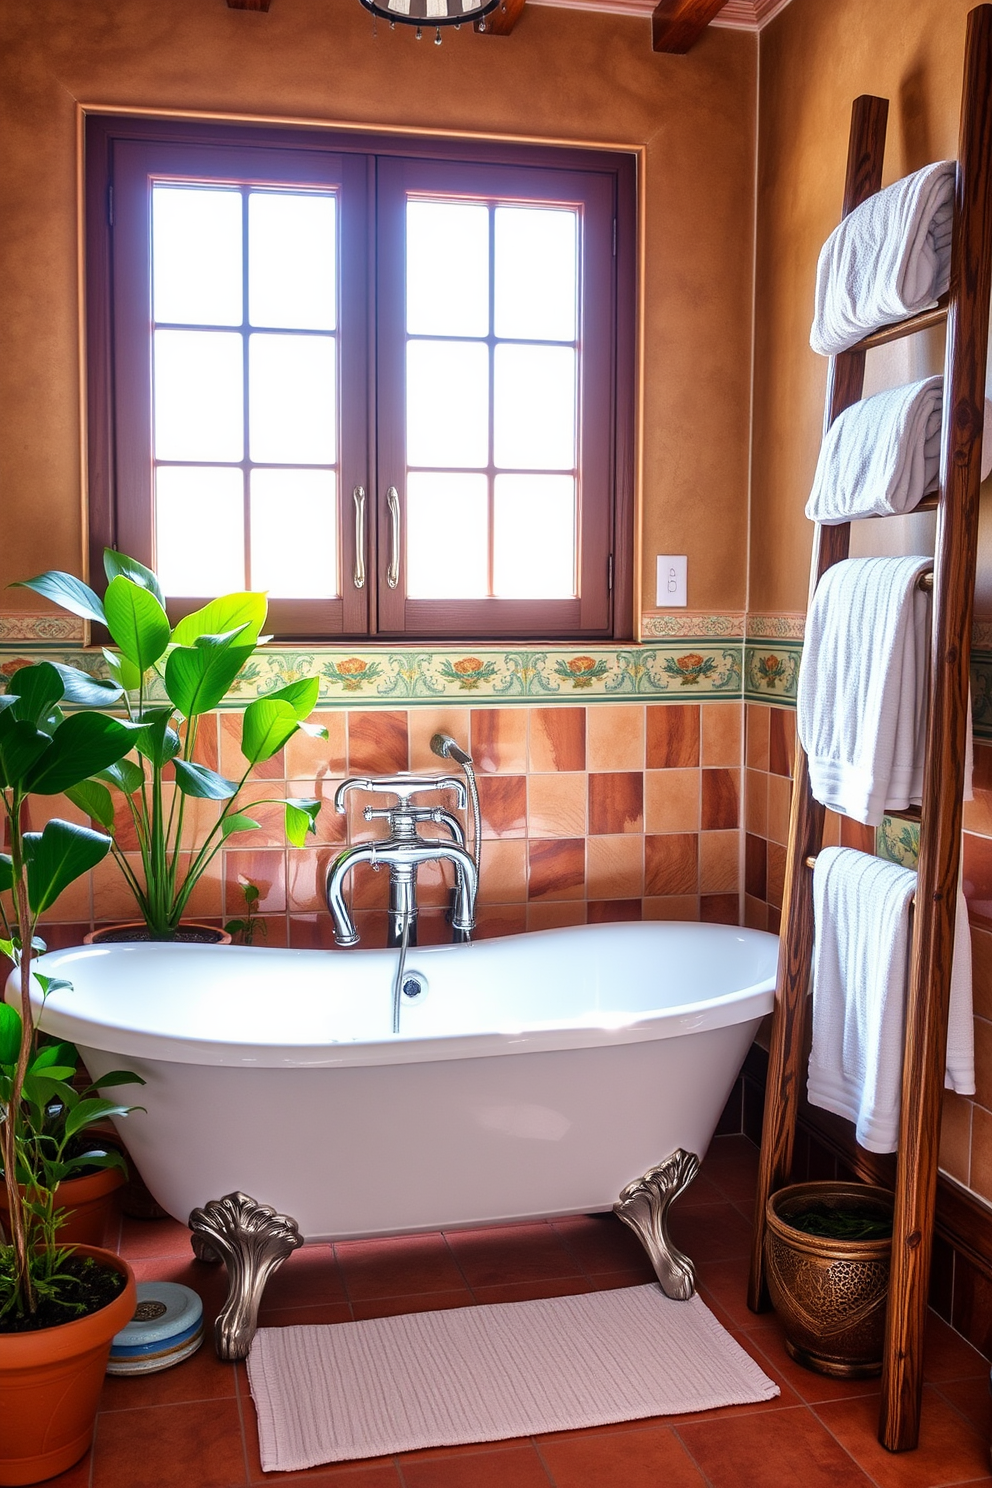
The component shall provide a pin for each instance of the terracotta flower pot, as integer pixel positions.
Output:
(130, 930)
(88, 1202)
(829, 1293)
(50, 1383)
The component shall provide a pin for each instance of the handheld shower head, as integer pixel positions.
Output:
(445, 746)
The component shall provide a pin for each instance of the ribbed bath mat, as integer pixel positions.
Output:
(329, 1393)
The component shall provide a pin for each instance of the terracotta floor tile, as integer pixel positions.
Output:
(162, 1446)
(309, 1275)
(397, 1267)
(523, 1253)
(202, 1377)
(141, 1238)
(600, 1242)
(766, 1340)
(732, 1166)
(312, 1313)
(773, 1449)
(725, 1283)
(529, 1291)
(518, 1466)
(374, 1307)
(949, 1451)
(972, 1398)
(636, 1459)
(77, 1476)
(714, 1232)
(947, 1356)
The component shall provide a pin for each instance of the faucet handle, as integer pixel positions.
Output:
(401, 786)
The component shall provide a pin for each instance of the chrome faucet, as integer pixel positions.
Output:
(402, 852)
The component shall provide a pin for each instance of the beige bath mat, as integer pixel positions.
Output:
(476, 1374)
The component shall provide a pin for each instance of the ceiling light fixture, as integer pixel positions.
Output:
(432, 13)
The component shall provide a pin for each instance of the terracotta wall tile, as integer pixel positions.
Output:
(206, 749)
(616, 802)
(434, 884)
(831, 829)
(671, 800)
(266, 869)
(980, 1170)
(719, 862)
(58, 936)
(306, 878)
(776, 875)
(367, 889)
(552, 915)
(672, 736)
(721, 725)
(671, 907)
(331, 825)
(499, 740)
(503, 802)
(556, 805)
(372, 929)
(720, 800)
(855, 834)
(612, 911)
(756, 736)
(720, 909)
(955, 1137)
(671, 864)
(779, 807)
(983, 1063)
(312, 931)
(615, 737)
(557, 868)
(756, 802)
(781, 741)
(504, 872)
(377, 742)
(494, 920)
(232, 761)
(112, 899)
(424, 723)
(981, 972)
(755, 913)
(557, 739)
(207, 899)
(755, 864)
(615, 867)
(311, 759)
(977, 877)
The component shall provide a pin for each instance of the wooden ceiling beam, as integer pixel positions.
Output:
(677, 25)
(501, 21)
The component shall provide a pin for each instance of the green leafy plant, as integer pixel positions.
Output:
(195, 664)
(43, 752)
(245, 929)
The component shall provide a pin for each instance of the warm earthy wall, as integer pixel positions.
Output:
(571, 76)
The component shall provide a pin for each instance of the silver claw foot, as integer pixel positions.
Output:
(644, 1205)
(254, 1241)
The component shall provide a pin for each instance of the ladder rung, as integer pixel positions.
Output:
(936, 315)
(928, 503)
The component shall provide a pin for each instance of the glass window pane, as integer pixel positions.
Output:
(447, 536)
(534, 412)
(292, 271)
(199, 530)
(196, 255)
(534, 537)
(294, 533)
(447, 403)
(536, 275)
(447, 268)
(199, 395)
(292, 399)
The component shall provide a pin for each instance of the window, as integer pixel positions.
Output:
(389, 381)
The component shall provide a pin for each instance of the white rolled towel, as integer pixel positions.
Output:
(886, 260)
(861, 957)
(881, 456)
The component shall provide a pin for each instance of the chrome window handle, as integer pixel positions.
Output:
(393, 571)
(358, 495)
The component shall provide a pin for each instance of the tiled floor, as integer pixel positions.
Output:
(194, 1426)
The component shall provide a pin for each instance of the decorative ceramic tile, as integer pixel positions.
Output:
(771, 671)
(981, 692)
(898, 841)
(687, 624)
(40, 629)
(790, 627)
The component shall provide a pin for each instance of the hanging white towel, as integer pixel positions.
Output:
(861, 954)
(881, 456)
(888, 259)
(860, 704)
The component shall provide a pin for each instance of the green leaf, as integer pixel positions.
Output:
(6, 873)
(158, 741)
(37, 689)
(301, 819)
(85, 691)
(302, 695)
(10, 1034)
(268, 723)
(117, 1077)
(313, 730)
(223, 614)
(124, 672)
(62, 853)
(89, 1112)
(62, 1054)
(72, 594)
(49, 984)
(21, 746)
(125, 775)
(204, 784)
(95, 800)
(117, 565)
(238, 823)
(83, 745)
(197, 677)
(137, 622)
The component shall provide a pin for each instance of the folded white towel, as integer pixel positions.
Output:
(881, 456)
(860, 703)
(861, 954)
(887, 259)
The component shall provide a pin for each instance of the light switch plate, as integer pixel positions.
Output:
(672, 580)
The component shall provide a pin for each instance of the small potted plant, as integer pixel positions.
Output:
(169, 678)
(828, 1247)
(60, 1305)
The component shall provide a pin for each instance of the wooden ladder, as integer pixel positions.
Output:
(966, 307)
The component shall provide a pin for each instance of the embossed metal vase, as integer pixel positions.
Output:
(829, 1293)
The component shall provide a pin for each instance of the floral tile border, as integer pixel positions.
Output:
(691, 625)
(40, 629)
(898, 841)
(771, 672)
(790, 627)
(700, 667)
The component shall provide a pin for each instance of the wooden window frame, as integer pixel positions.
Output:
(118, 388)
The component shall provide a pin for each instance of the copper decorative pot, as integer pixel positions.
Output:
(829, 1293)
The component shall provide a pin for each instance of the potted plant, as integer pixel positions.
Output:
(828, 1247)
(169, 677)
(60, 1305)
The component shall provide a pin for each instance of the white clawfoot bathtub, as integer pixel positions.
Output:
(536, 1076)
